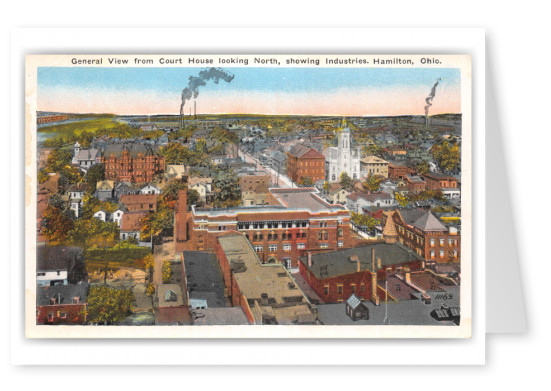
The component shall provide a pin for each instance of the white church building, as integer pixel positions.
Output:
(343, 158)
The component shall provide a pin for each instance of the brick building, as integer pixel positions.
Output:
(61, 304)
(305, 162)
(132, 162)
(437, 181)
(398, 171)
(336, 275)
(266, 292)
(139, 202)
(280, 233)
(254, 181)
(415, 184)
(419, 230)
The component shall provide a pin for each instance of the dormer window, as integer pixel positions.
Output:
(52, 301)
(76, 300)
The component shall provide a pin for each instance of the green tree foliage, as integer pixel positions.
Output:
(447, 156)
(165, 271)
(93, 233)
(373, 182)
(306, 181)
(59, 161)
(373, 150)
(362, 220)
(91, 205)
(422, 167)
(95, 174)
(108, 306)
(149, 264)
(402, 200)
(55, 225)
(326, 186)
(192, 197)
(346, 182)
(226, 188)
(176, 153)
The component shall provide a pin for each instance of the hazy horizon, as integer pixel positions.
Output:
(253, 91)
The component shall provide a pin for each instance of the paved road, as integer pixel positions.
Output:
(280, 179)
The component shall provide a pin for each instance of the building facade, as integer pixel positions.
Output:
(343, 158)
(374, 165)
(132, 162)
(421, 231)
(305, 162)
(282, 233)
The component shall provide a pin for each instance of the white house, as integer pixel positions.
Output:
(204, 189)
(150, 189)
(357, 201)
(451, 193)
(342, 158)
(388, 187)
(84, 158)
(117, 216)
(100, 215)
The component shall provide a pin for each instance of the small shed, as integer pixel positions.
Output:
(355, 309)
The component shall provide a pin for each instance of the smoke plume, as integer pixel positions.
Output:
(192, 90)
(429, 98)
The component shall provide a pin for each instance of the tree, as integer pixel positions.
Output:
(95, 174)
(447, 156)
(93, 233)
(174, 153)
(402, 200)
(108, 305)
(373, 150)
(192, 197)
(362, 220)
(326, 186)
(150, 289)
(149, 226)
(55, 225)
(165, 271)
(306, 181)
(226, 188)
(373, 182)
(422, 167)
(346, 182)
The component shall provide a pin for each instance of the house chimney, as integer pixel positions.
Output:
(373, 259)
(379, 263)
(309, 259)
(358, 263)
(408, 276)
(374, 297)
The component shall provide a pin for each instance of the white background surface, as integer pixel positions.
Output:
(517, 37)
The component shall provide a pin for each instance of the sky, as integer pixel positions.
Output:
(307, 91)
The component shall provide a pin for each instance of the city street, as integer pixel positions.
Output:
(280, 179)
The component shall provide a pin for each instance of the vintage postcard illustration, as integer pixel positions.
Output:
(242, 196)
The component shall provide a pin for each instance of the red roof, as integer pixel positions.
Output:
(131, 221)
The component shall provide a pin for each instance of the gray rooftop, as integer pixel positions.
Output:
(204, 278)
(403, 312)
(345, 261)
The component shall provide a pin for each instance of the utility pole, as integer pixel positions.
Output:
(386, 321)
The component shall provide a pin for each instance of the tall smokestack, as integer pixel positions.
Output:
(195, 108)
(192, 89)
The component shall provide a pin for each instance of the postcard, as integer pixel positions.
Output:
(248, 196)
